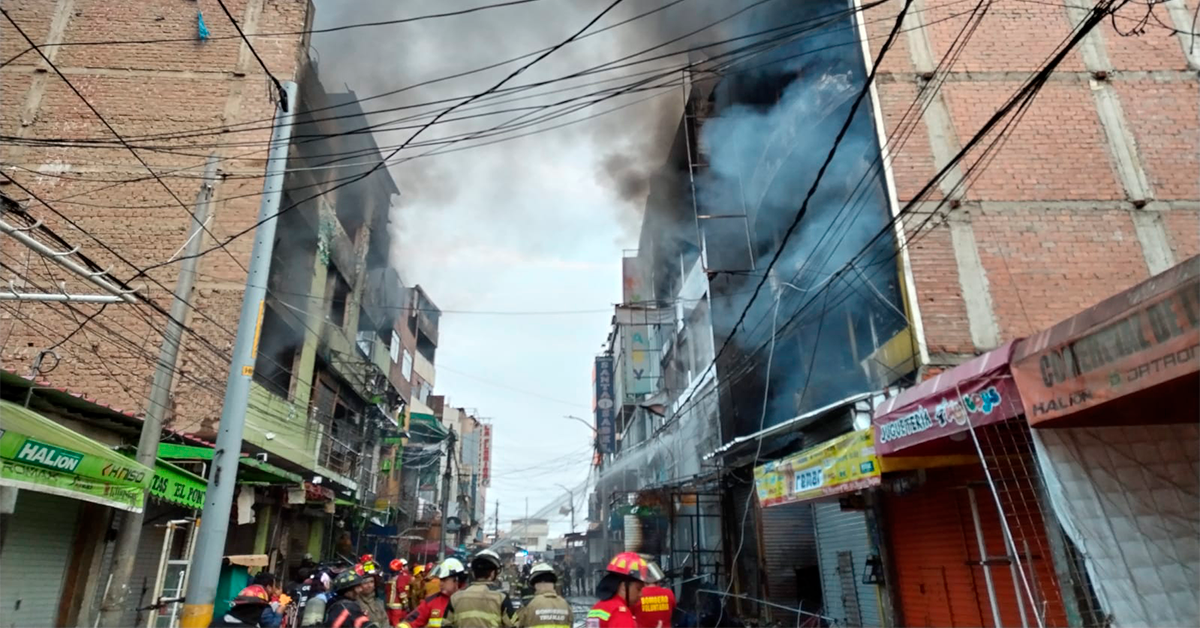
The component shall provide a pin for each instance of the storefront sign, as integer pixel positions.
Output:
(172, 484)
(1145, 336)
(41, 455)
(485, 453)
(842, 465)
(605, 405)
(976, 393)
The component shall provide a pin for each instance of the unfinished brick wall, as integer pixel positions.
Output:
(141, 90)
(1094, 191)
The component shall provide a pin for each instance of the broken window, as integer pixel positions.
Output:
(277, 346)
(339, 300)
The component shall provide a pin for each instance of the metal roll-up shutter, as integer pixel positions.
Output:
(790, 553)
(35, 557)
(843, 546)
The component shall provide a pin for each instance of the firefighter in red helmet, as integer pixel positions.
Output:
(620, 589)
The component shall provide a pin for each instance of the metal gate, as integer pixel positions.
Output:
(790, 555)
(33, 562)
(844, 545)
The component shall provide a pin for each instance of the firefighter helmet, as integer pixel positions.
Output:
(489, 557)
(631, 565)
(450, 568)
(542, 572)
(348, 580)
(253, 594)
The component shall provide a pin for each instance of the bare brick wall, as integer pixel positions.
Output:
(1052, 221)
(142, 90)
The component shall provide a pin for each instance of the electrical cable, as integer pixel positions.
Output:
(279, 91)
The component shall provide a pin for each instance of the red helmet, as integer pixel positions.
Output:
(631, 565)
(428, 567)
(396, 564)
(253, 594)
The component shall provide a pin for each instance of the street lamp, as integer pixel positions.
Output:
(584, 421)
(571, 495)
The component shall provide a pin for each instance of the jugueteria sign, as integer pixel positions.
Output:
(1147, 335)
(842, 465)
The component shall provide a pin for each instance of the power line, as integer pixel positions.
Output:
(279, 91)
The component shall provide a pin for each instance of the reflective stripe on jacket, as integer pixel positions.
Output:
(481, 606)
(547, 610)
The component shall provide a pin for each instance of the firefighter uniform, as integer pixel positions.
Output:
(431, 612)
(548, 610)
(611, 613)
(397, 597)
(482, 606)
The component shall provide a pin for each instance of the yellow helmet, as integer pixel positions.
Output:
(418, 569)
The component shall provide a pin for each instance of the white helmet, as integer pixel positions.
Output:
(540, 571)
(489, 557)
(449, 568)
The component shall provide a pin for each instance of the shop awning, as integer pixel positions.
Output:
(38, 454)
(425, 428)
(1146, 338)
(178, 486)
(429, 548)
(842, 465)
(250, 470)
(980, 391)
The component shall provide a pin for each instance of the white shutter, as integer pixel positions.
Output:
(394, 347)
(33, 563)
(844, 545)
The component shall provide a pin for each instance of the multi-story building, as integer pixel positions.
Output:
(830, 279)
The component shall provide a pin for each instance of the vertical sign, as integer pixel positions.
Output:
(605, 405)
(485, 452)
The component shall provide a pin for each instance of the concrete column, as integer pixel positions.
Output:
(262, 531)
(972, 279)
(316, 538)
(1152, 235)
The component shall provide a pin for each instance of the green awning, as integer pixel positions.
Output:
(178, 486)
(250, 469)
(425, 428)
(38, 454)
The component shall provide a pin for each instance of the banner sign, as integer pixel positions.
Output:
(485, 452)
(641, 368)
(978, 392)
(605, 405)
(842, 465)
(172, 484)
(41, 455)
(1145, 336)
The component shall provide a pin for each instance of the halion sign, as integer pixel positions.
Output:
(49, 456)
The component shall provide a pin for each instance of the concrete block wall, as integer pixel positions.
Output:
(141, 90)
(1096, 189)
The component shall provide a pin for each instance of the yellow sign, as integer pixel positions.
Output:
(842, 465)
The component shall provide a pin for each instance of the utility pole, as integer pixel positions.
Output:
(497, 520)
(222, 476)
(446, 494)
(130, 533)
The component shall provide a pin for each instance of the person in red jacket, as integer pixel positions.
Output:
(619, 591)
(397, 592)
(432, 612)
(655, 608)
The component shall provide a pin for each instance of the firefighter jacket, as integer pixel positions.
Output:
(431, 612)
(482, 606)
(344, 612)
(374, 608)
(548, 610)
(397, 598)
(611, 613)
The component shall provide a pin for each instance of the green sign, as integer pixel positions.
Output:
(29, 477)
(41, 455)
(48, 456)
(178, 486)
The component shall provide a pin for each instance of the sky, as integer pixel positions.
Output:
(523, 227)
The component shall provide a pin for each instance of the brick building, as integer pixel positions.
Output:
(1090, 194)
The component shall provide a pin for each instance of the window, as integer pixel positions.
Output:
(337, 304)
(406, 365)
(276, 354)
(394, 348)
(423, 392)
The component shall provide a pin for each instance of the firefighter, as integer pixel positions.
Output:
(483, 604)
(251, 607)
(397, 591)
(344, 611)
(416, 588)
(370, 602)
(547, 608)
(432, 586)
(619, 591)
(432, 612)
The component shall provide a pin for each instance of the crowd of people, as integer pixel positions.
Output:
(450, 594)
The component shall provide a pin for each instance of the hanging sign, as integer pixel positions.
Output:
(175, 485)
(842, 465)
(605, 405)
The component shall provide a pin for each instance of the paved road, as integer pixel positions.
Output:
(581, 605)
